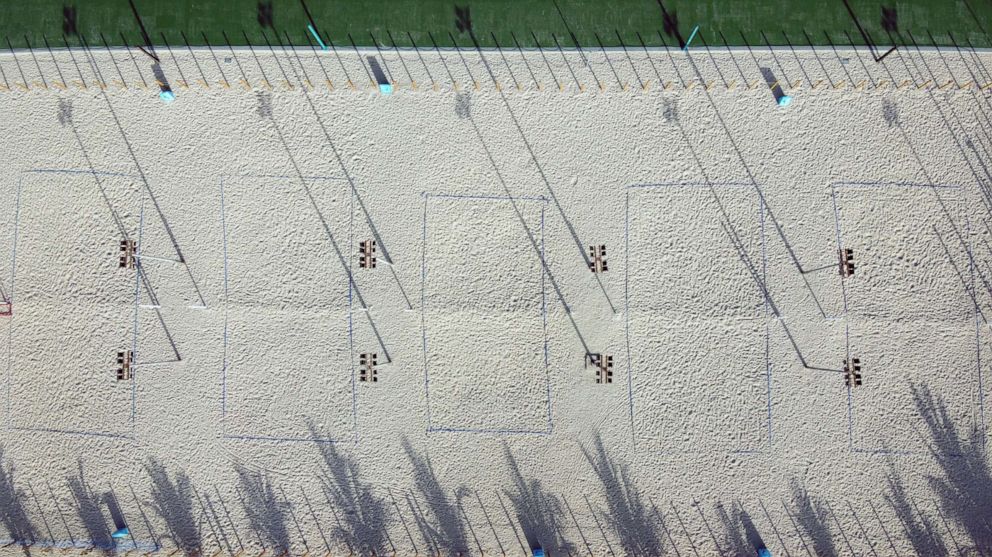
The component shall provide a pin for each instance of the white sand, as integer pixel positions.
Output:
(482, 432)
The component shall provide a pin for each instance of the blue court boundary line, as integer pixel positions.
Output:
(768, 366)
(868, 184)
(10, 327)
(423, 313)
(847, 326)
(485, 197)
(351, 355)
(10, 331)
(137, 293)
(284, 177)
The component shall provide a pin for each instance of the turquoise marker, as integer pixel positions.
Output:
(692, 36)
(316, 36)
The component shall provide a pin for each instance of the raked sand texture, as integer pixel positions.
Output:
(360, 323)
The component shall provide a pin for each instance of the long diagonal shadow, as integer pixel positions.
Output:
(34, 495)
(975, 96)
(540, 171)
(799, 534)
(940, 201)
(122, 230)
(354, 191)
(266, 514)
(960, 275)
(738, 244)
(530, 237)
(156, 540)
(87, 506)
(173, 502)
(627, 512)
(746, 260)
(754, 182)
(148, 189)
(664, 527)
(330, 237)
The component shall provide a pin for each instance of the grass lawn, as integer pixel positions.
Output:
(511, 21)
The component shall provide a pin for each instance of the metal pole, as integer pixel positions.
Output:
(540, 49)
(671, 58)
(360, 61)
(96, 67)
(977, 80)
(661, 82)
(524, 57)
(774, 57)
(815, 55)
(217, 62)
(71, 55)
(389, 74)
(275, 56)
(292, 49)
(55, 61)
(252, 50)
(709, 53)
(421, 57)
(732, 57)
(36, 64)
(244, 76)
(503, 56)
(340, 60)
(441, 56)
(182, 76)
(567, 65)
(850, 39)
(400, 56)
(134, 61)
(629, 60)
(192, 54)
(796, 55)
(327, 78)
(608, 61)
(837, 54)
(111, 54)
(16, 61)
(459, 51)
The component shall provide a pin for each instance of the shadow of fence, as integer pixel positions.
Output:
(13, 514)
(172, 501)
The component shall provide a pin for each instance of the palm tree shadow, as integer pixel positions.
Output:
(964, 486)
(920, 530)
(13, 514)
(448, 532)
(628, 515)
(812, 516)
(87, 505)
(538, 511)
(266, 513)
(740, 533)
(364, 514)
(172, 500)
